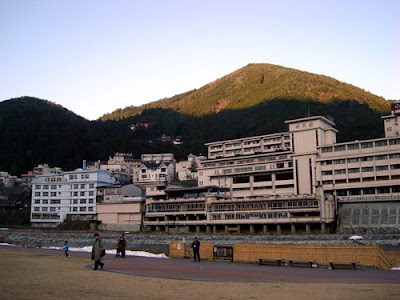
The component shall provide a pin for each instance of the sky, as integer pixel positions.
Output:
(95, 56)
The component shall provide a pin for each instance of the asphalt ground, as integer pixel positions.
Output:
(222, 271)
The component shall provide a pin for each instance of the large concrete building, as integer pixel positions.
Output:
(55, 196)
(300, 180)
(120, 207)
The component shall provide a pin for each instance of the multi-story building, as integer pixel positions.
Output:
(55, 196)
(392, 121)
(120, 207)
(157, 169)
(290, 181)
(187, 169)
(39, 170)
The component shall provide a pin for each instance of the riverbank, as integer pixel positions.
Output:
(159, 243)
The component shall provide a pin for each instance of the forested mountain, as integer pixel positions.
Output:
(255, 84)
(254, 100)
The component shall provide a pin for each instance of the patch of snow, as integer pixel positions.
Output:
(113, 251)
(6, 244)
(355, 237)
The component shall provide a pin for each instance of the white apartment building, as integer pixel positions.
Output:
(298, 180)
(157, 168)
(55, 196)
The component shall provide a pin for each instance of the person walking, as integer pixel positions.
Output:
(66, 248)
(122, 245)
(96, 252)
(196, 249)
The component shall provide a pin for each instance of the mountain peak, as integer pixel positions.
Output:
(254, 84)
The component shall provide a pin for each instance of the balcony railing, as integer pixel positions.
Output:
(368, 198)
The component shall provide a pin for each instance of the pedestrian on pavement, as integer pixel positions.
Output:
(66, 248)
(97, 252)
(122, 245)
(196, 249)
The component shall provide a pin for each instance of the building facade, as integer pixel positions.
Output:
(120, 207)
(157, 169)
(55, 196)
(289, 182)
(187, 169)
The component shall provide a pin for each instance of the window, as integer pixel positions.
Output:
(353, 160)
(353, 147)
(53, 194)
(327, 149)
(55, 201)
(143, 171)
(90, 208)
(395, 167)
(367, 169)
(82, 186)
(380, 143)
(340, 148)
(91, 186)
(52, 209)
(82, 201)
(382, 168)
(394, 142)
(397, 155)
(91, 201)
(91, 193)
(82, 193)
(37, 193)
(45, 201)
(37, 201)
(44, 208)
(36, 208)
(38, 187)
(354, 170)
(341, 171)
(76, 186)
(74, 209)
(82, 208)
(367, 158)
(45, 187)
(163, 169)
(339, 161)
(326, 162)
(367, 145)
(45, 194)
(75, 194)
(53, 186)
(75, 201)
(326, 172)
(381, 157)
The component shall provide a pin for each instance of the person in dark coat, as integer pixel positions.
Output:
(96, 252)
(122, 245)
(196, 249)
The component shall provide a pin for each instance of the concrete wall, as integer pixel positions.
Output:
(374, 217)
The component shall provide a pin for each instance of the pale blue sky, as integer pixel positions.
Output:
(94, 56)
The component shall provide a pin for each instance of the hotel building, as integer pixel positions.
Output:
(56, 196)
(300, 180)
